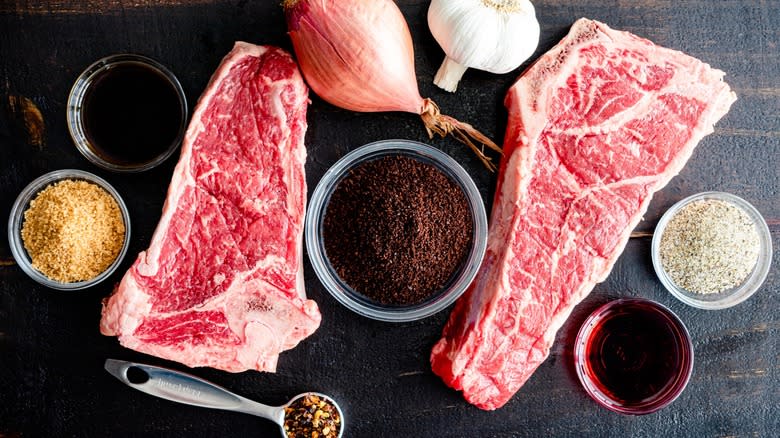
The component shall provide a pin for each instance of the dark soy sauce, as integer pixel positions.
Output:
(131, 114)
(635, 354)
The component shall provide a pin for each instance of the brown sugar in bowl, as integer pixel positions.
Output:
(76, 247)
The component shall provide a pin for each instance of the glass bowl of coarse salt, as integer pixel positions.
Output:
(69, 229)
(712, 250)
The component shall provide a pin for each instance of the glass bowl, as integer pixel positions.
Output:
(76, 125)
(601, 359)
(16, 220)
(729, 297)
(354, 300)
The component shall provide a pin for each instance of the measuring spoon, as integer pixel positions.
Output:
(190, 390)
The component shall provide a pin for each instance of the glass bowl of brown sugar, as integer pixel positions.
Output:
(69, 229)
(396, 230)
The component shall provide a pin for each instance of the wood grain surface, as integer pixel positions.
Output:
(51, 353)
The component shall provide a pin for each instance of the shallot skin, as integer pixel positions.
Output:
(355, 54)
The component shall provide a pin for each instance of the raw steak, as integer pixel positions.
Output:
(596, 126)
(221, 284)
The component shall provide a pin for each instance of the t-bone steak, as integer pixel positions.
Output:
(221, 284)
(596, 126)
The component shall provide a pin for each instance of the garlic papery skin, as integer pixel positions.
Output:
(492, 35)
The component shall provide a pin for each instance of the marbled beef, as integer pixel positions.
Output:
(221, 284)
(596, 126)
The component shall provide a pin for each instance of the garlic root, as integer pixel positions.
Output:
(449, 75)
(440, 124)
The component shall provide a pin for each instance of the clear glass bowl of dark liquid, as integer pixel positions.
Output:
(127, 113)
(633, 356)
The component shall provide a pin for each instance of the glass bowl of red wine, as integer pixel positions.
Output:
(127, 113)
(633, 356)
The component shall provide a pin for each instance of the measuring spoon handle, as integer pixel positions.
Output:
(187, 389)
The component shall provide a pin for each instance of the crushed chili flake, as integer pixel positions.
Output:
(312, 416)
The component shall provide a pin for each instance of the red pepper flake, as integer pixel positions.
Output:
(312, 416)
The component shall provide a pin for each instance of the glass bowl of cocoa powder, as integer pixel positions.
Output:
(69, 229)
(396, 230)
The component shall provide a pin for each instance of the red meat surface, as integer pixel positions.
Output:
(596, 126)
(221, 284)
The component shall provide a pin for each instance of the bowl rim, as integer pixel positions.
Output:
(734, 295)
(683, 376)
(16, 218)
(318, 205)
(76, 98)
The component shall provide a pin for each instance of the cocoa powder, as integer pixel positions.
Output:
(396, 230)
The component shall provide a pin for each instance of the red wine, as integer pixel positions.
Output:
(132, 114)
(636, 354)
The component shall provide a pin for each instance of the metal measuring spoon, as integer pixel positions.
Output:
(188, 389)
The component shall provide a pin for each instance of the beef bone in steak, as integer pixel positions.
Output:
(221, 284)
(596, 126)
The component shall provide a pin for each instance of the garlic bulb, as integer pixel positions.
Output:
(491, 35)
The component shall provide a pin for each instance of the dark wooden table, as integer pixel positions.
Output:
(51, 353)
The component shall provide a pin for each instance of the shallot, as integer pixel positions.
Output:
(358, 55)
